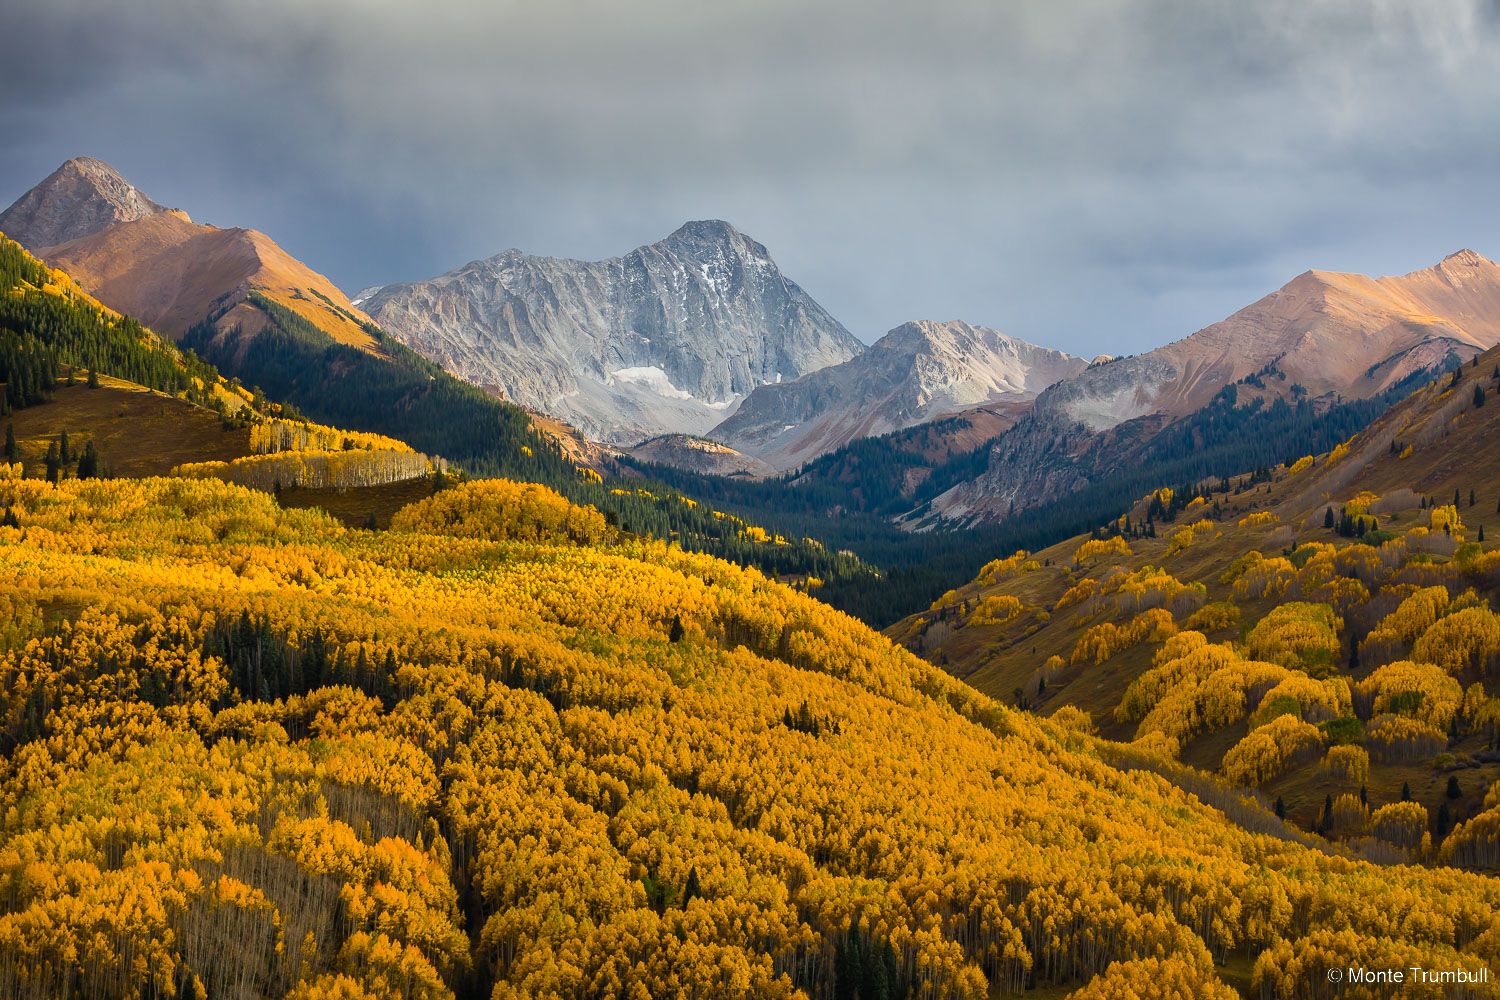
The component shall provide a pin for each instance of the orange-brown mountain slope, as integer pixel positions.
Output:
(1323, 336)
(172, 274)
(1343, 333)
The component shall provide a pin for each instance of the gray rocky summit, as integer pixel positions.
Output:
(80, 198)
(918, 372)
(668, 338)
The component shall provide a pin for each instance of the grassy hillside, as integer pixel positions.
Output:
(1245, 638)
(500, 750)
(137, 432)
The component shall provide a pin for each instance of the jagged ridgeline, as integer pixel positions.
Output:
(501, 750)
(47, 322)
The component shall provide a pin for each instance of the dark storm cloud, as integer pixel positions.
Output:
(1099, 175)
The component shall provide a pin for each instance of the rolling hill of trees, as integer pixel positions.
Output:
(504, 750)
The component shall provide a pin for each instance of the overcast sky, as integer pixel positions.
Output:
(1095, 175)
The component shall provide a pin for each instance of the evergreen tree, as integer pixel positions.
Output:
(846, 971)
(1364, 799)
(54, 463)
(1454, 791)
(1405, 791)
(93, 379)
(676, 633)
(1444, 820)
(12, 451)
(1328, 518)
(690, 891)
(88, 462)
(1326, 822)
(1478, 395)
(64, 450)
(1280, 808)
(1471, 498)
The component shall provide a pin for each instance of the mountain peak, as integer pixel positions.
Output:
(718, 234)
(1467, 258)
(705, 229)
(666, 338)
(79, 198)
(923, 370)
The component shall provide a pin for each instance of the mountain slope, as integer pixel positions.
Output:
(1319, 631)
(1323, 336)
(172, 274)
(79, 198)
(918, 372)
(666, 339)
(324, 762)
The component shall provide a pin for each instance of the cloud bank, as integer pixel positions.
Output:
(1096, 175)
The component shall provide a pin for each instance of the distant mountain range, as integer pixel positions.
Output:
(263, 317)
(1323, 337)
(919, 372)
(701, 336)
(668, 338)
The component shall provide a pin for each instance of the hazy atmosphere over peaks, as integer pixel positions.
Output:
(1093, 176)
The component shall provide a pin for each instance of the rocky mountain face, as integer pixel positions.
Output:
(668, 338)
(80, 198)
(918, 372)
(1324, 337)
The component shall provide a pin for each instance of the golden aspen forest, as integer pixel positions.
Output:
(1321, 633)
(504, 748)
(252, 752)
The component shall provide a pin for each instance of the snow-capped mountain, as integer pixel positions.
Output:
(668, 338)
